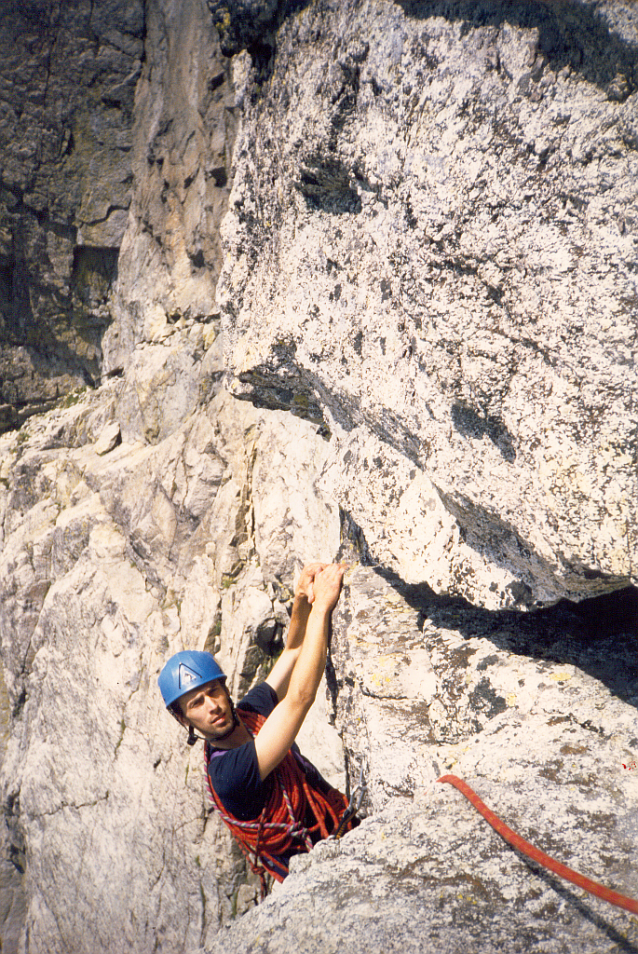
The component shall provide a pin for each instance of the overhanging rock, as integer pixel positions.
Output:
(432, 232)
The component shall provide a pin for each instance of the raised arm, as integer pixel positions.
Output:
(279, 677)
(282, 725)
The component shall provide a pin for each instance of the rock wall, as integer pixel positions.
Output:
(433, 213)
(68, 76)
(370, 295)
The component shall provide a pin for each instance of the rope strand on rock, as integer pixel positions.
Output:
(613, 897)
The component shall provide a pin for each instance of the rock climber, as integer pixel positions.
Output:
(274, 800)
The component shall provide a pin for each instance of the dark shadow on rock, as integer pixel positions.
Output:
(472, 423)
(283, 384)
(562, 889)
(36, 349)
(570, 33)
(498, 539)
(599, 636)
(252, 25)
(327, 195)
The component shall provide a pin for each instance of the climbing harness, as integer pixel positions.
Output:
(354, 805)
(283, 824)
(613, 897)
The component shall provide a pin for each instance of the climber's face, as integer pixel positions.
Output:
(209, 710)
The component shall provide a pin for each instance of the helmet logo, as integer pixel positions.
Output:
(186, 676)
(185, 671)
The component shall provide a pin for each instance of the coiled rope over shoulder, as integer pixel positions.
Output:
(613, 897)
(295, 815)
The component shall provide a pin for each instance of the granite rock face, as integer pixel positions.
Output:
(111, 562)
(370, 295)
(434, 215)
(68, 76)
(538, 716)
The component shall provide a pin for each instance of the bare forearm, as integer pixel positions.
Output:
(317, 593)
(279, 678)
(311, 660)
(309, 632)
(298, 622)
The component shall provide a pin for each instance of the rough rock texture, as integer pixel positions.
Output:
(538, 716)
(182, 147)
(110, 562)
(434, 214)
(539, 724)
(404, 234)
(431, 877)
(68, 74)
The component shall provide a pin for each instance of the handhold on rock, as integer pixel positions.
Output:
(109, 438)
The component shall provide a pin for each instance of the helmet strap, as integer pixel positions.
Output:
(192, 738)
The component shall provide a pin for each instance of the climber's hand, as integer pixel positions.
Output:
(327, 586)
(305, 586)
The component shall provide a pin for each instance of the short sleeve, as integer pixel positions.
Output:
(234, 774)
(262, 699)
(235, 777)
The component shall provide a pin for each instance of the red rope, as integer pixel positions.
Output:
(282, 823)
(620, 900)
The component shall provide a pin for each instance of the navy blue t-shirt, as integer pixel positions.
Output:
(234, 773)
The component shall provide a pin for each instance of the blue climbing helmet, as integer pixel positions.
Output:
(185, 671)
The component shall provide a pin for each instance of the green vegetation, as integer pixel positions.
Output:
(72, 398)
